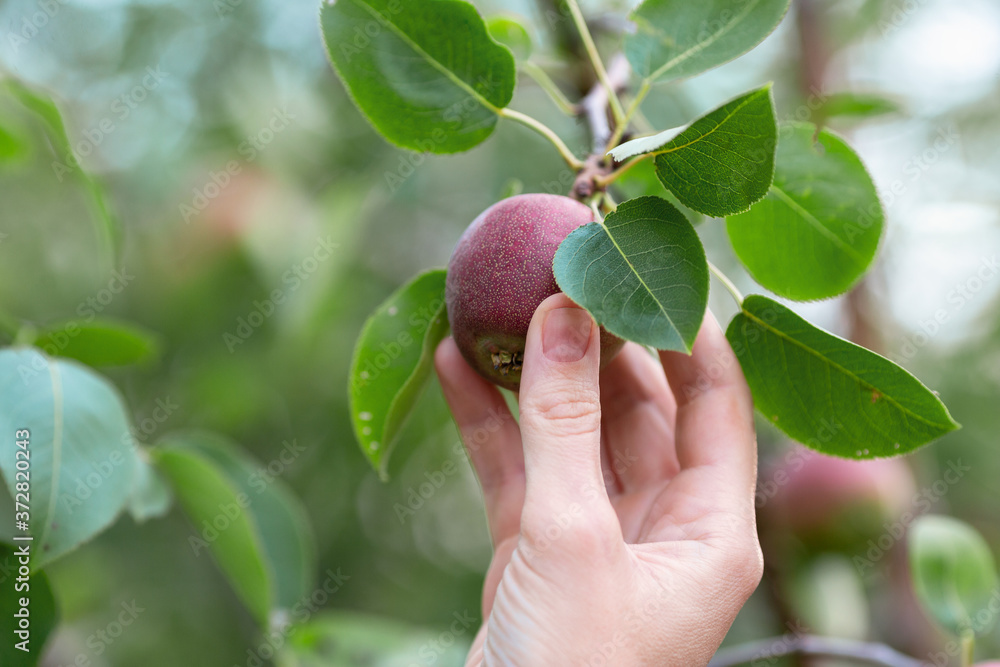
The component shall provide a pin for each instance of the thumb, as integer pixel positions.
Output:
(560, 410)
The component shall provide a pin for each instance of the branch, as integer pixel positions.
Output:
(542, 129)
(595, 104)
(594, 108)
(546, 83)
(864, 653)
(595, 59)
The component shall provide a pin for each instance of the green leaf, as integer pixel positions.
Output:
(830, 394)
(99, 343)
(510, 32)
(109, 227)
(642, 274)
(426, 74)
(82, 454)
(856, 105)
(724, 161)
(392, 360)
(680, 38)
(42, 609)
(817, 231)
(285, 536)
(217, 509)
(641, 181)
(151, 497)
(334, 639)
(11, 145)
(954, 574)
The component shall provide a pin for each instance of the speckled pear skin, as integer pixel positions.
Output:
(499, 273)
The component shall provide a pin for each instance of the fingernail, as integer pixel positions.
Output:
(566, 334)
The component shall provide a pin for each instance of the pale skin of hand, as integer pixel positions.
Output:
(620, 508)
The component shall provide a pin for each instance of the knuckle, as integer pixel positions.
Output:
(577, 410)
(747, 565)
(566, 531)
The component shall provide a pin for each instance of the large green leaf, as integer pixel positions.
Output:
(224, 526)
(42, 610)
(817, 231)
(828, 393)
(954, 574)
(285, 535)
(99, 343)
(723, 162)
(642, 274)
(348, 639)
(392, 360)
(681, 38)
(426, 74)
(82, 455)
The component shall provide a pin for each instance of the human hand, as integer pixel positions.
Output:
(621, 510)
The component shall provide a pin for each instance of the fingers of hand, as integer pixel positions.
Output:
(714, 427)
(491, 437)
(638, 413)
(561, 413)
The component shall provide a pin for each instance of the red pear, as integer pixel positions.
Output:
(500, 272)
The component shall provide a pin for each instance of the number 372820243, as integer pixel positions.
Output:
(22, 475)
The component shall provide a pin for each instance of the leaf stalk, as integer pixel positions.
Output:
(572, 160)
(727, 283)
(595, 59)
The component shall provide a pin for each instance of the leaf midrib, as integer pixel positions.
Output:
(701, 46)
(432, 61)
(815, 353)
(816, 224)
(607, 230)
(747, 100)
